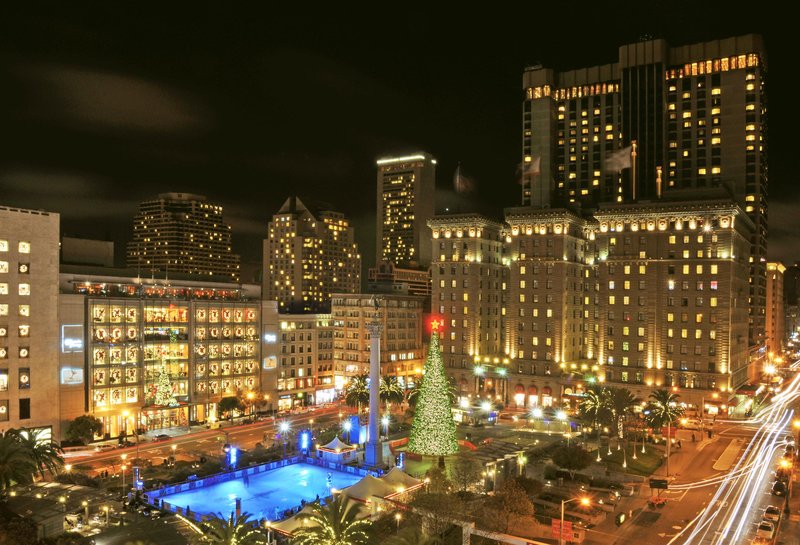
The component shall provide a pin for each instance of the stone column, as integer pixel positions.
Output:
(374, 454)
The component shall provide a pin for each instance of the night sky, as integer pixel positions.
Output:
(104, 106)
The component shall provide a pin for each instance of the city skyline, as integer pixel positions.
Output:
(230, 120)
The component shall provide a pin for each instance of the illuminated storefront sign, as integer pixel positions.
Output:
(71, 375)
(72, 338)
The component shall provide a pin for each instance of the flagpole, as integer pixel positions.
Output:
(633, 169)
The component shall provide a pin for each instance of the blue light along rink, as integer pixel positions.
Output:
(264, 495)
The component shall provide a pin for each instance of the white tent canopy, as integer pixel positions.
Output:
(338, 444)
(293, 523)
(397, 477)
(368, 487)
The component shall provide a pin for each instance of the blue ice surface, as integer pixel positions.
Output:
(266, 495)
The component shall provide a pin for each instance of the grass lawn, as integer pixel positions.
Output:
(645, 464)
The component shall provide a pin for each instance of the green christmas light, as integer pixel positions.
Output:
(434, 430)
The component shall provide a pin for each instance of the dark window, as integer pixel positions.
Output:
(24, 409)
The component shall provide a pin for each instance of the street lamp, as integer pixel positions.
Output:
(796, 426)
(398, 517)
(385, 422)
(584, 501)
(284, 428)
(105, 508)
(63, 501)
(268, 526)
(250, 397)
(85, 505)
(67, 468)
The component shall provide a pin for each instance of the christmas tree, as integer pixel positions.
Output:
(163, 395)
(434, 430)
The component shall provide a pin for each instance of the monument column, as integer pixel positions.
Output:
(374, 453)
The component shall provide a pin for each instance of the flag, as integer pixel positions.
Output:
(461, 182)
(534, 167)
(619, 160)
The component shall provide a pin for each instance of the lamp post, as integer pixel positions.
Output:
(105, 508)
(584, 501)
(250, 397)
(284, 429)
(268, 526)
(63, 501)
(85, 505)
(397, 518)
(796, 426)
(385, 422)
(562, 416)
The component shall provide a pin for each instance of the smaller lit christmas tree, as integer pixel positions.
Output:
(163, 395)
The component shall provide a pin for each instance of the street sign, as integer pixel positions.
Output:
(662, 484)
(566, 532)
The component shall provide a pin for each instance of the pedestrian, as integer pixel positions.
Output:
(679, 444)
(693, 438)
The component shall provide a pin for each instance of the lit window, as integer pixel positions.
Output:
(25, 310)
(24, 247)
(713, 301)
(3, 288)
(3, 309)
(24, 352)
(24, 289)
(24, 330)
(3, 267)
(3, 245)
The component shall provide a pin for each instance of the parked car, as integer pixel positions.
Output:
(155, 513)
(765, 530)
(104, 448)
(772, 513)
(779, 488)
(162, 437)
(691, 424)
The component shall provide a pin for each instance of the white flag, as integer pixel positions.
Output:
(619, 160)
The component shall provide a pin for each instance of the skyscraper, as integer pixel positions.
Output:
(307, 258)
(776, 308)
(181, 232)
(697, 115)
(405, 202)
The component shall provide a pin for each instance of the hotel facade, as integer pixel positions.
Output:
(697, 115)
(646, 296)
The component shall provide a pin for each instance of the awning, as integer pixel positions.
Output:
(519, 388)
(533, 390)
(546, 391)
(337, 445)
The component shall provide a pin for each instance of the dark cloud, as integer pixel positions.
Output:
(104, 101)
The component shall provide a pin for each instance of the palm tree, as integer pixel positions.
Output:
(16, 463)
(357, 393)
(621, 403)
(413, 536)
(230, 531)
(663, 408)
(391, 391)
(43, 451)
(594, 407)
(335, 523)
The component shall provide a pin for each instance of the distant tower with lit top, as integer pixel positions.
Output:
(406, 189)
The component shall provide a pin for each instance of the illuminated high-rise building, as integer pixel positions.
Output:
(405, 202)
(776, 308)
(181, 232)
(308, 258)
(697, 114)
